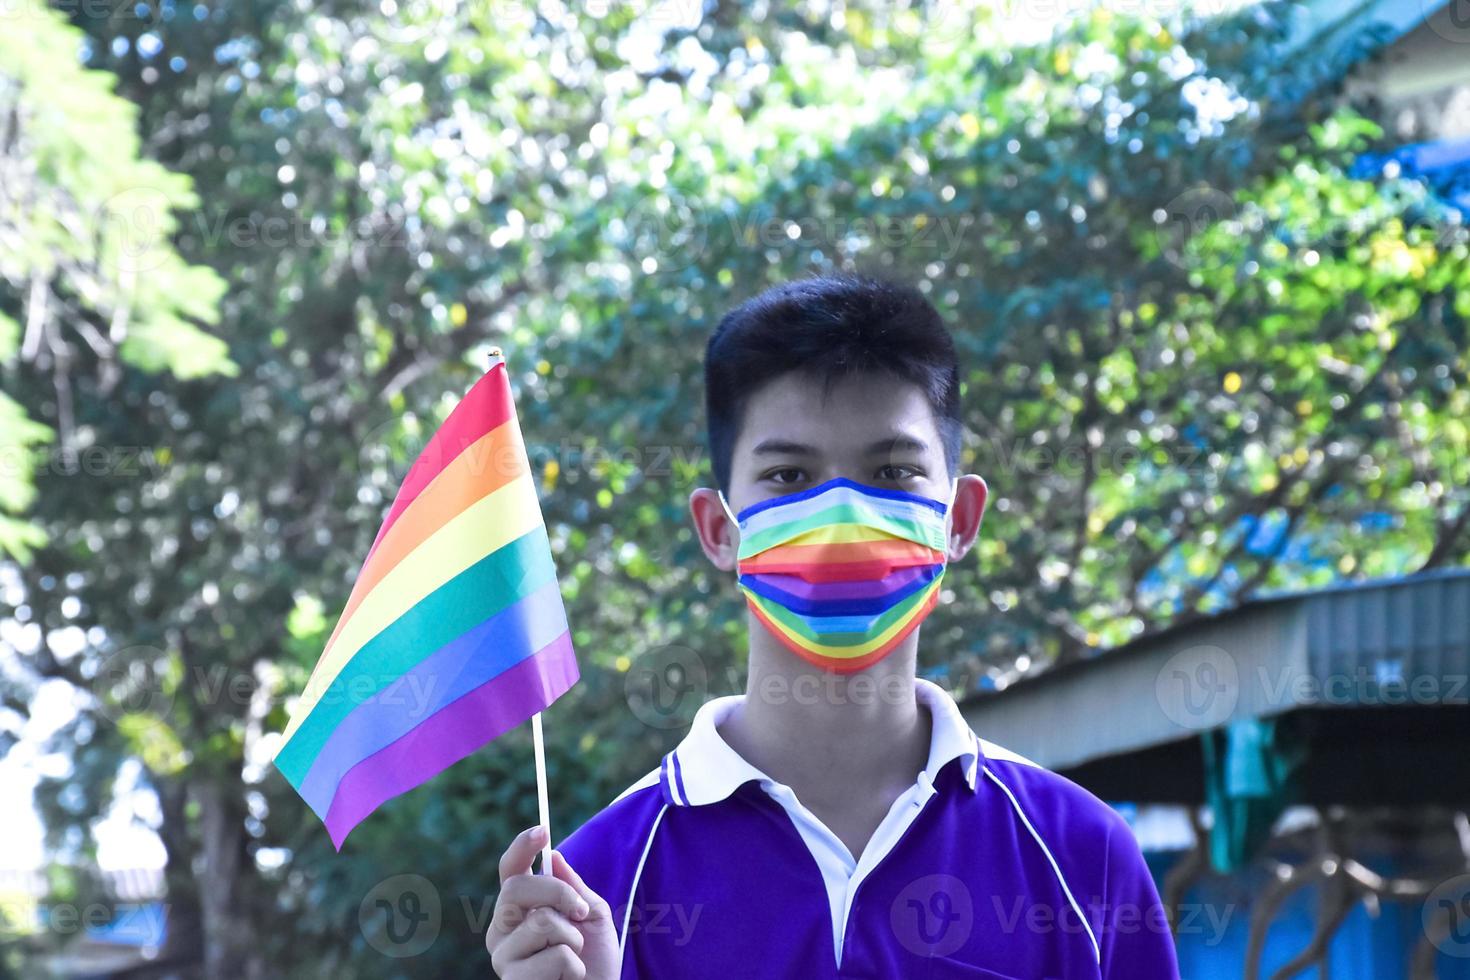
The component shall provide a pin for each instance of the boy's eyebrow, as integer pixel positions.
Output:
(884, 446)
(784, 447)
(897, 444)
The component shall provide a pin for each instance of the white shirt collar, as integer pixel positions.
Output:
(703, 768)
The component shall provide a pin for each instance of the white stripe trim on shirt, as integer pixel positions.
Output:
(1097, 951)
(633, 889)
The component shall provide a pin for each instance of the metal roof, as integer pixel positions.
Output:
(1399, 645)
(1337, 26)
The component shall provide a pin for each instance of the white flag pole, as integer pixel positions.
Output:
(541, 799)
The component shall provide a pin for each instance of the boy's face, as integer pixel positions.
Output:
(871, 428)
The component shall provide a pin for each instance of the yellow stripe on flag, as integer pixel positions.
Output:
(483, 528)
(485, 466)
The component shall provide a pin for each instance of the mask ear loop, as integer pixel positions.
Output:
(729, 513)
(954, 491)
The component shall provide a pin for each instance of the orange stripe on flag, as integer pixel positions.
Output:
(496, 459)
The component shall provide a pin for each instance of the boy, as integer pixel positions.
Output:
(840, 819)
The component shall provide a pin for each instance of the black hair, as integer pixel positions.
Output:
(829, 327)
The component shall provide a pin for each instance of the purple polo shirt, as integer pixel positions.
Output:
(988, 866)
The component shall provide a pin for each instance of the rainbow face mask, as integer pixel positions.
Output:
(842, 572)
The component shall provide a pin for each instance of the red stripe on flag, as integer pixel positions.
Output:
(484, 407)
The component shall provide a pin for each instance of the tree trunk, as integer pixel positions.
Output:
(230, 946)
(184, 945)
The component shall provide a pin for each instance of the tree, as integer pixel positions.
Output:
(1101, 217)
(93, 296)
(85, 253)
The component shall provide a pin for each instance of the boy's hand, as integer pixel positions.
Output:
(548, 927)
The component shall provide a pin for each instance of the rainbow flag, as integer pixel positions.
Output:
(454, 632)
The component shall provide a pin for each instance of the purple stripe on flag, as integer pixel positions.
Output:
(453, 733)
(445, 676)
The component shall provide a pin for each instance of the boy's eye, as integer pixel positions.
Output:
(785, 475)
(897, 471)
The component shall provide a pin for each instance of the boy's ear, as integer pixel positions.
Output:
(970, 498)
(719, 538)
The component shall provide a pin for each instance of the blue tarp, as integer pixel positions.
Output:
(1444, 165)
(138, 924)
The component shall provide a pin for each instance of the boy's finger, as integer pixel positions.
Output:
(522, 851)
(553, 963)
(522, 893)
(562, 870)
(543, 927)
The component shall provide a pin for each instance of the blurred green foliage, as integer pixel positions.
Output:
(86, 257)
(1200, 360)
